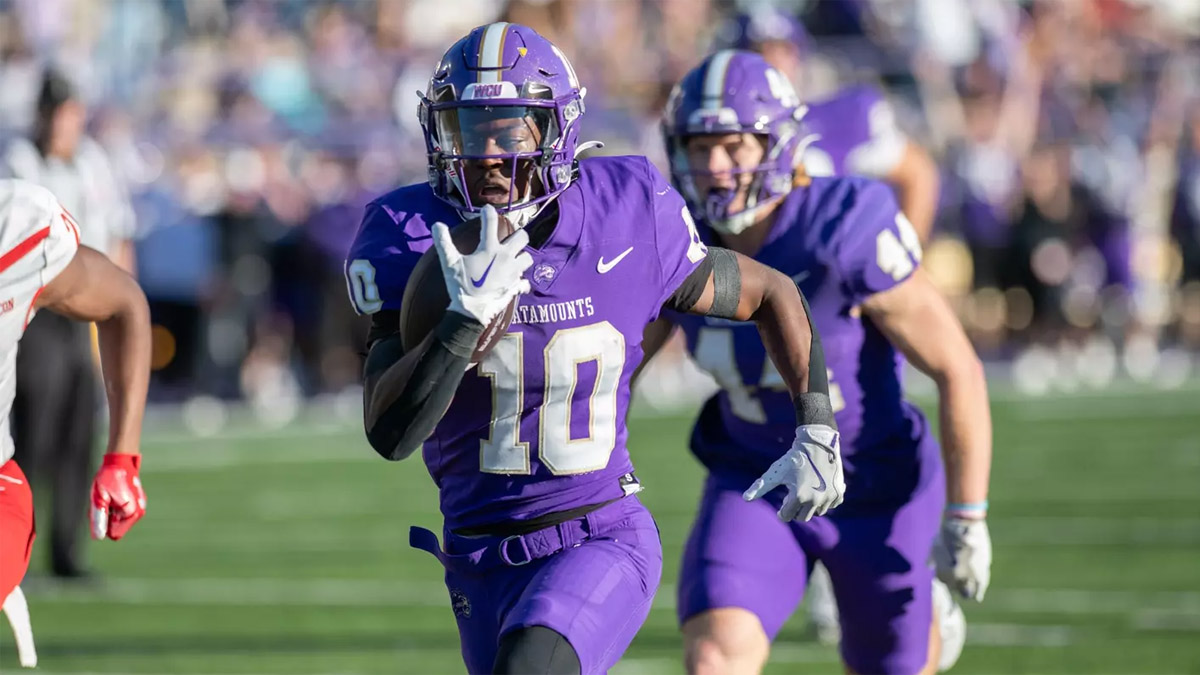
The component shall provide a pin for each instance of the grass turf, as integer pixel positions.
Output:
(286, 552)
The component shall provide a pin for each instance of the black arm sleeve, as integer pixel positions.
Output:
(721, 266)
(418, 407)
(384, 323)
(814, 406)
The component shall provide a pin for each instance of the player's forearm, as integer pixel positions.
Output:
(742, 289)
(125, 344)
(406, 395)
(787, 334)
(966, 429)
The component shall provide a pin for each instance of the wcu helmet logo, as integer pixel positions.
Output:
(478, 90)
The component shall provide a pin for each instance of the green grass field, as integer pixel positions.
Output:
(286, 552)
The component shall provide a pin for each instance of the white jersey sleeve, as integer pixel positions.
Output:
(38, 238)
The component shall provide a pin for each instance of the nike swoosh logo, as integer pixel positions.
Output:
(801, 277)
(822, 486)
(482, 278)
(603, 267)
(663, 192)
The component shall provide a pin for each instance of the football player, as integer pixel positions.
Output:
(44, 267)
(855, 133)
(734, 132)
(550, 559)
(855, 128)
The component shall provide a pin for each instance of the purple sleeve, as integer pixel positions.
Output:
(379, 263)
(680, 249)
(876, 248)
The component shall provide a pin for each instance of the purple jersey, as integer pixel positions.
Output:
(857, 135)
(539, 425)
(841, 240)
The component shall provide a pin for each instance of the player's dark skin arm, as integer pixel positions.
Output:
(773, 302)
(92, 288)
(406, 394)
(739, 288)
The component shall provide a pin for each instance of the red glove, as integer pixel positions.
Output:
(118, 500)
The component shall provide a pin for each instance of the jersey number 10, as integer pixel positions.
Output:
(504, 452)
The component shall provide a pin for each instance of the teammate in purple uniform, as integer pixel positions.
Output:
(734, 134)
(856, 127)
(855, 134)
(550, 559)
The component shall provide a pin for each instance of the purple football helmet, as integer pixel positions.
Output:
(502, 73)
(735, 92)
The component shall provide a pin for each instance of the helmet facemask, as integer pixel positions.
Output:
(511, 147)
(771, 177)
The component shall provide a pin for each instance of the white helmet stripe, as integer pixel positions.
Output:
(714, 79)
(491, 52)
(572, 78)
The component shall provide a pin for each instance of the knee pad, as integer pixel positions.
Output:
(536, 650)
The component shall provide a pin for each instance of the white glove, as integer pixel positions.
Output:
(481, 284)
(963, 556)
(811, 472)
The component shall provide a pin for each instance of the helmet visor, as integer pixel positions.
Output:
(494, 131)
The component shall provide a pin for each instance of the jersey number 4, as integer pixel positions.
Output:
(898, 256)
(562, 450)
(714, 353)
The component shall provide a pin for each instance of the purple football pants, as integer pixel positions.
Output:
(591, 579)
(740, 554)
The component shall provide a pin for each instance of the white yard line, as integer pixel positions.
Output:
(1063, 601)
(1019, 635)
(1148, 610)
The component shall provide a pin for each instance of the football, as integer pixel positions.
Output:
(425, 298)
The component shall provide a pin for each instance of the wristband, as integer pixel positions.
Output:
(814, 408)
(971, 508)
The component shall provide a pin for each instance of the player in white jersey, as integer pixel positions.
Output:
(43, 266)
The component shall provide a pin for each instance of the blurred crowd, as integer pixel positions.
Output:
(250, 133)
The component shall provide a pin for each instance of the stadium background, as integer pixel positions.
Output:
(250, 134)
